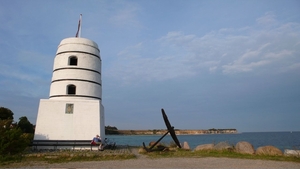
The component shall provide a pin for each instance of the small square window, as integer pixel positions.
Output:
(69, 108)
(73, 60)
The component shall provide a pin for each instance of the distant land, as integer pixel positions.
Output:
(109, 130)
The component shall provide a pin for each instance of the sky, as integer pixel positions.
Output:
(207, 63)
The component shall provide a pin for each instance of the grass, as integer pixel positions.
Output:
(64, 159)
(29, 161)
(63, 156)
(216, 153)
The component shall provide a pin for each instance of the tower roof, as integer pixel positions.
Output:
(74, 40)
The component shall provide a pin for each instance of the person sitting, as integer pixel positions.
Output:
(97, 140)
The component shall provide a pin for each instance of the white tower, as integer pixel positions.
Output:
(74, 110)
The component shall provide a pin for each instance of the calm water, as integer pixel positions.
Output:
(281, 140)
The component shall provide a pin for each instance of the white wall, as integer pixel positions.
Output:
(54, 124)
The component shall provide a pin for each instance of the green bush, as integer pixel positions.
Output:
(14, 137)
(12, 141)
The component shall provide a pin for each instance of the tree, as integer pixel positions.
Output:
(14, 138)
(6, 114)
(25, 125)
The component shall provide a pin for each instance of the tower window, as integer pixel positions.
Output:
(73, 60)
(71, 89)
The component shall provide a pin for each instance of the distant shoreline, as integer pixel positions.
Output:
(163, 131)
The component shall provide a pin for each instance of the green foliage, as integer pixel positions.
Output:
(218, 153)
(76, 157)
(6, 114)
(111, 130)
(12, 141)
(111, 127)
(14, 138)
(63, 156)
(25, 125)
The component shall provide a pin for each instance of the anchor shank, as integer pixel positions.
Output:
(158, 140)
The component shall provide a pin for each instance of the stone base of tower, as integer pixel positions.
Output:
(69, 120)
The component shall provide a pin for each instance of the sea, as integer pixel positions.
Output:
(281, 140)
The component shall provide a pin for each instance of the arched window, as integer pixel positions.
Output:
(71, 89)
(73, 60)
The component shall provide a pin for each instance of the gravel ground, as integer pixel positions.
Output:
(143, 161)
(173, 163)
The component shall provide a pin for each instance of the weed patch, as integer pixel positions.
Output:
(216, 153)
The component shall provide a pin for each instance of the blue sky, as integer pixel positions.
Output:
(209, 64)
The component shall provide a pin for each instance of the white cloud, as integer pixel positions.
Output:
(227, 51)
(278, 55)
(267, 20)
(134, 68)
(177, 38)
(247, 62)
(247, 67)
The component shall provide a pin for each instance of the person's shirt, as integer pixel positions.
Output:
(96, 139)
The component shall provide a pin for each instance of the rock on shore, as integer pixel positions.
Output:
(268, 150)
(223, 146)
(244, 148)
(204, 147)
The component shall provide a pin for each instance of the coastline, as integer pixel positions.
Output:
(163, 131)
(281, 140)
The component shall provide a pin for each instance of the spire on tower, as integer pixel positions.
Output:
(78, 34)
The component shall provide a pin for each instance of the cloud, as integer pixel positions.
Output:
(224, 51)
(247, 62)
(177, 38)
(269, 49)
(267, 20)
(134, 68)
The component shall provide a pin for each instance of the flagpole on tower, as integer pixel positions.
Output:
(78, 34)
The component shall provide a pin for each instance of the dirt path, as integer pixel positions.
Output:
(142, 161)
(135, 151)
(210, 162)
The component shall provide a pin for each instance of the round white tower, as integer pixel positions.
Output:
(76, 70)
(74, 110)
